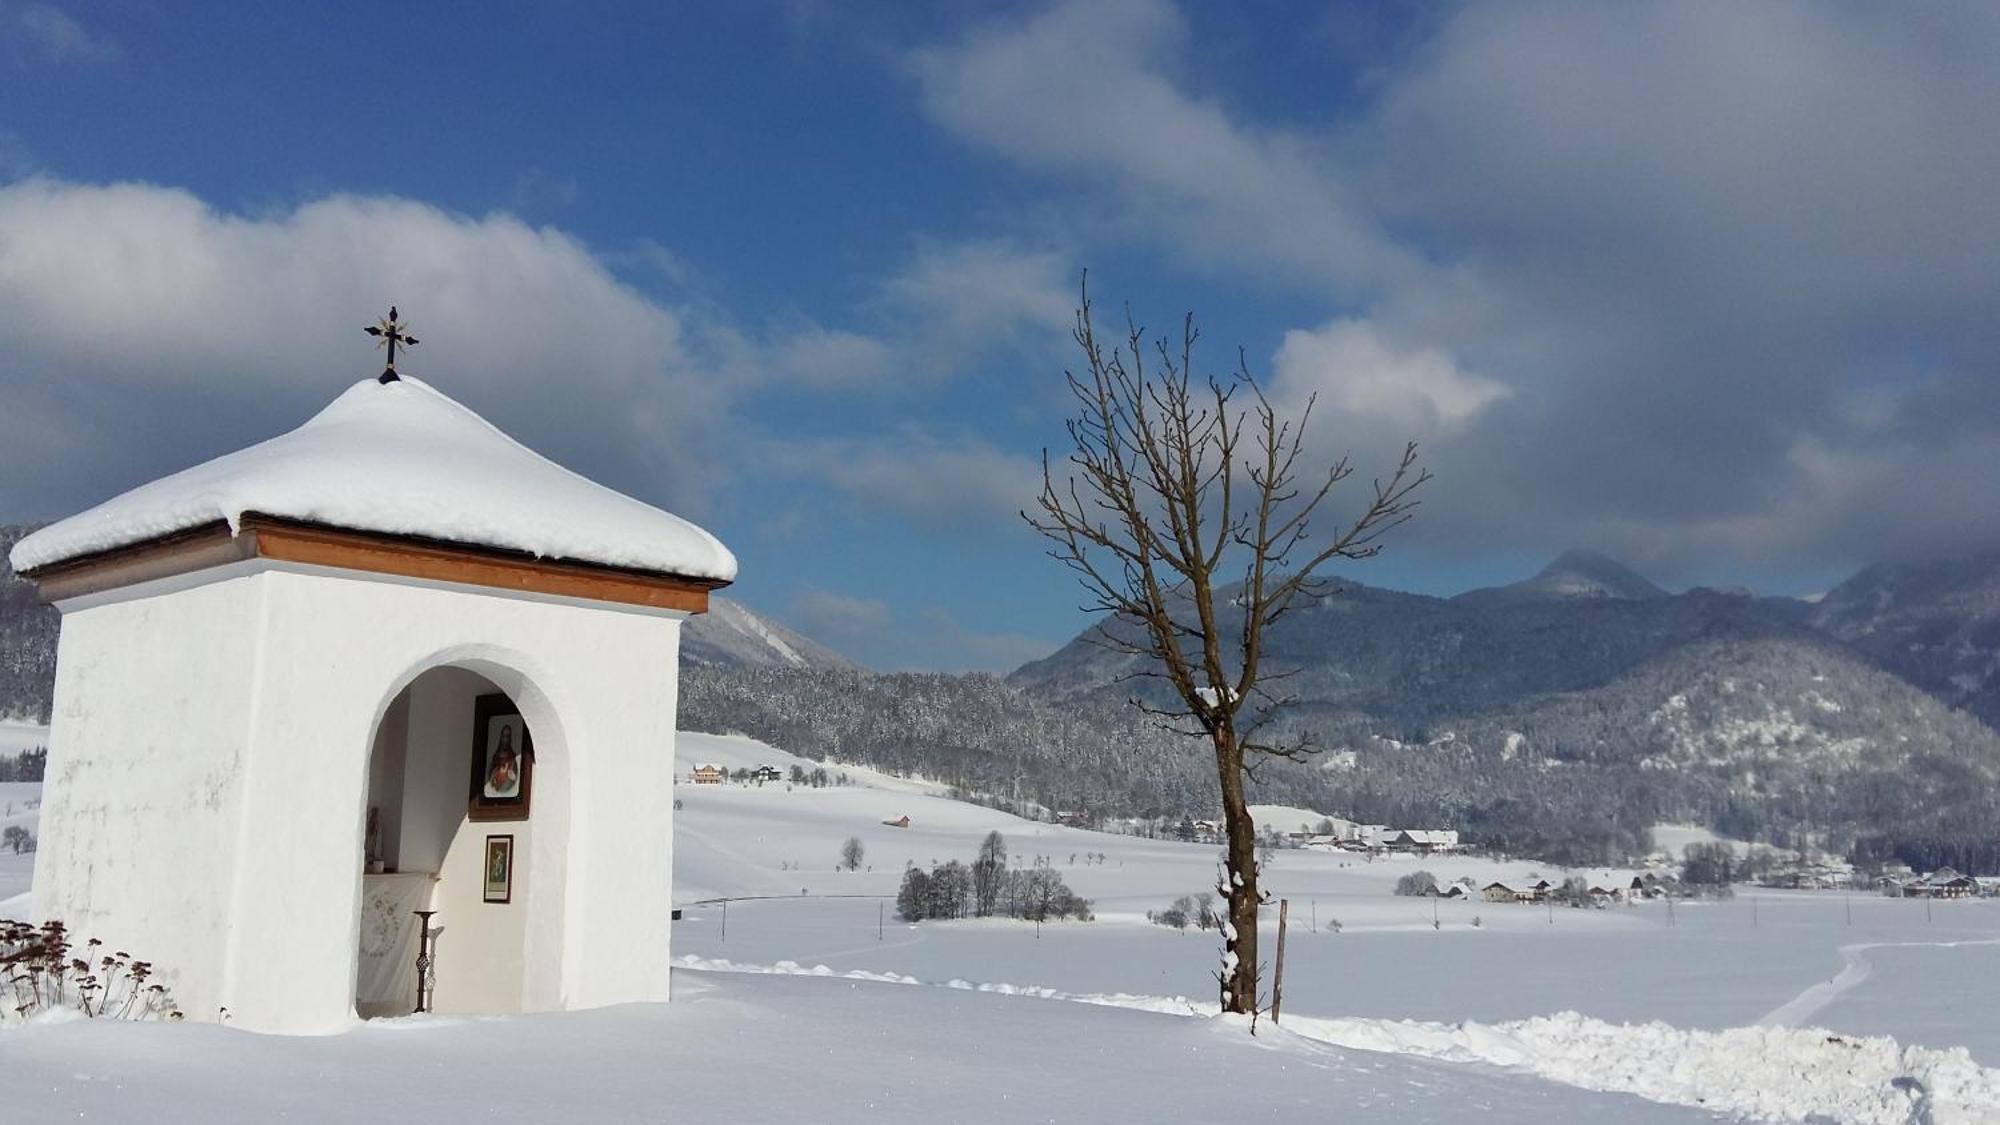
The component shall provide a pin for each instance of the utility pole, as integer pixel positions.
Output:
(881, 908)
(725, 920)
(1278, 974)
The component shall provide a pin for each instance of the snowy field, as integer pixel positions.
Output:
(804, 997)
(16, 736)
(1920, 974)
(20, 804)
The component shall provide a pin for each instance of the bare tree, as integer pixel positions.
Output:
(988, 872)
(1176, 490)
(851, 853)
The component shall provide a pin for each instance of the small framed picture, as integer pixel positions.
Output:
(503, 760)
(500, 869)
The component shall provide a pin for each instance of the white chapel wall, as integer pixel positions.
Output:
(141, 814)
(597, 685)
(210, 767)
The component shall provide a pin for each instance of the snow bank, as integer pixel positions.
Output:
(1767, 1073)
(1776, 1074)
(401, 459)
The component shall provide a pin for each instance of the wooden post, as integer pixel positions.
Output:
(1278, 974)
(725, 920)
(880, 909)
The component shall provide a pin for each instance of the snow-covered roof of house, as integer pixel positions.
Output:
(398, 458)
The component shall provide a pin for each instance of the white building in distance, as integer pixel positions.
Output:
(390, 660)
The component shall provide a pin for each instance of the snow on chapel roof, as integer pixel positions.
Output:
(398, 458)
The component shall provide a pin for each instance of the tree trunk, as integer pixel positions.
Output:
(1239, 883)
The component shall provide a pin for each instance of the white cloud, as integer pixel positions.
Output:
(949, 305)
(998, 651)
(1621, 265)
(145, 328)
(54, 35)
(828, 358)
(1355, 371)
(937, 482)
(1080, 90)
(970, 293)
(838, 619)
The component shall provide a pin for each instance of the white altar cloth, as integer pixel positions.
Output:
(386, 981)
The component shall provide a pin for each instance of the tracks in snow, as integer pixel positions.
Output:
(1854, 969)
(1769, 1072)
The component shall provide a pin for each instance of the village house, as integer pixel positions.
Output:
(1527, 892)
(708, 773)
(1945, 882)
(1423, 841)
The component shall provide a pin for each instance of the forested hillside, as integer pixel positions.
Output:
(1935, 622)
(27, 641)
(1560, 716)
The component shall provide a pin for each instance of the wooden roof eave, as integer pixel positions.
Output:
(309, 544)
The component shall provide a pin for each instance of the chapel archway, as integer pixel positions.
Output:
(466, 815)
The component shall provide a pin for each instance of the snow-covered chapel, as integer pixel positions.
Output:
(390, 661)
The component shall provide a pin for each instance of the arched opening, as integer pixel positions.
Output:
(466, 815)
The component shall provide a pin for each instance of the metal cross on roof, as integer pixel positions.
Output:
(390, 334)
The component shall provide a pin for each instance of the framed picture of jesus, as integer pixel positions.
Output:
(503, 760)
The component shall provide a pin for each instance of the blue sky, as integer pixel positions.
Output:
(1708, 288)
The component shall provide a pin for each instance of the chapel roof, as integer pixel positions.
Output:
(404, 459)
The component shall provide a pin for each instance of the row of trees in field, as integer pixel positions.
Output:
(28, 765)
(986, 888)
(1972, 852)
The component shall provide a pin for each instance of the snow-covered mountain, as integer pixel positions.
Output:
(1589, 699)
(1575, 574)
(1410, 660)
(1936, 623)
(730, 635)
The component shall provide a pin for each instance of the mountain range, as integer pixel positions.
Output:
(1586, 700)
(1935, 622)
(1560, 715)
